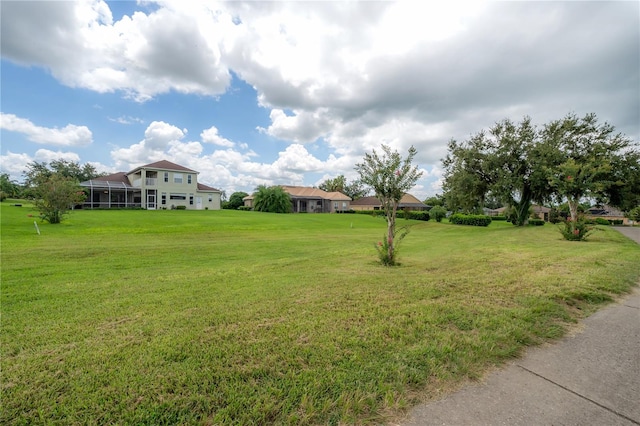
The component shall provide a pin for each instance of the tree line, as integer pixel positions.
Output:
(566, 160)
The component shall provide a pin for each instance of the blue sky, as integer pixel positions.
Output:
(253, 93)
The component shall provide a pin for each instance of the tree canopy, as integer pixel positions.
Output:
(55, 196)
(235, 200)
(354, 190)
(569, 159)
(390, 176)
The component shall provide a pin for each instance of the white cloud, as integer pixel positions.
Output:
(211, 135)
(70, 135)
(127, 120)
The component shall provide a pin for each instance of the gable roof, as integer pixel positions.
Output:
(115, 177)
(605, 210)
(164, 165)
(407, 200)
(206, 188)
(308, 192)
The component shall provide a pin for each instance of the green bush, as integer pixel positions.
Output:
(616, 221)
(536, 222)
(417, 215)
(601, 221)
(576, 230)
(244, 208)
(181, 207)
(498, 218)
(470, 219)
(438, 213)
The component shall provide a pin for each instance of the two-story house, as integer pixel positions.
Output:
(160, 185)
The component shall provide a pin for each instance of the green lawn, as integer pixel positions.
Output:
(228, 317)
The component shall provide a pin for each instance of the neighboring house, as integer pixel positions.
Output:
(540, 212)
(160, 185)
(608, 213)
(407, 201)
(311, 200)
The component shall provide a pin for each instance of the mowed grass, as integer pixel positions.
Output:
(227, 317)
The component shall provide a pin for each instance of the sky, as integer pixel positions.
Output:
(256, 92)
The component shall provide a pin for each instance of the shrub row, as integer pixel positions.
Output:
(536, 222)
(415, 215)
(498, 218)
(470, 219)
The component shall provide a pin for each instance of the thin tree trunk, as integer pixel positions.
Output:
(573, 209)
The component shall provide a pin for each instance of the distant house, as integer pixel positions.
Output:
(540, 212)
(608, 213)
(160, 185)
(311, 200)
(407, 201)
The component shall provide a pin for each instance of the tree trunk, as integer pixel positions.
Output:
(573, 209)
(391, 228)
(522, 208)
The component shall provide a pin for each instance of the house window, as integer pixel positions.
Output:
(166, 176)
(189, 179)
(164, 198)
(191, 199)
(178, 197)
(344, 205)
(177, 178)
(335, 205)
(211, 198)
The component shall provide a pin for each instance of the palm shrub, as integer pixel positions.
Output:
(576, 230)
(272, 199)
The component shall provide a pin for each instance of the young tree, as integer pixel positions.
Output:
(55, 196)
(271, 199)
(390, 176)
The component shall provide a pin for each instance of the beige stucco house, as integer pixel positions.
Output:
(305, 199)
(159, 185)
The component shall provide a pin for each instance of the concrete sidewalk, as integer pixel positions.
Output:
(588, 378)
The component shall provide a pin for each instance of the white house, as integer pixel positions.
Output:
(160, 185)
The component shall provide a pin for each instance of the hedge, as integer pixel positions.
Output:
(498, 218)
(536, 222)
(470, 219)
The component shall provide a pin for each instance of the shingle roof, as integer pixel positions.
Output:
(164, 165)
(308, 192)
(407, 200)
(116, 177)
(203, 187)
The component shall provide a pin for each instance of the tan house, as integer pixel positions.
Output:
(305, 199)
(159, 185)
(540, 212)
(608, 213)
(407, 201)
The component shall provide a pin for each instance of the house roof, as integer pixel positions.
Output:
(308, 192)
(605, 211)
(206, 188)
(407, 200)
(164, 165)
(116, 180)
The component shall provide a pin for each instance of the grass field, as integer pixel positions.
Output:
(227, 317)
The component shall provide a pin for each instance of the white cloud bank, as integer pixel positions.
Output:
(69, 135)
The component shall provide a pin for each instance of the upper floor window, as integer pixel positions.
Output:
(177, 178)
(189, 179)
(166, 176)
